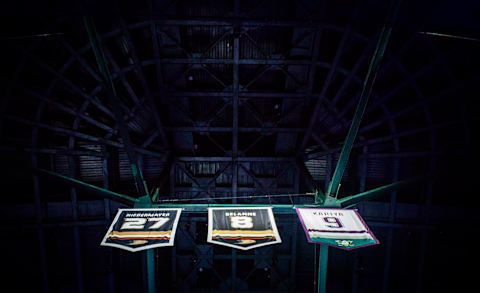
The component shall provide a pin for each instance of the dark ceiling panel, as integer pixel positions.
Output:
(225, 101)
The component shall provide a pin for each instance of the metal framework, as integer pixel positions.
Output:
(239, 121)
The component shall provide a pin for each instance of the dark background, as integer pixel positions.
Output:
(300, 71)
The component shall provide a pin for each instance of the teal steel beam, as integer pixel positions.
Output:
(199, 208)
(333, 187)
(202, 207)
(362, 104)
(322, 269)
(151, 270)
(115, 102)
(365, 94)
(100, 191)
(352, 200)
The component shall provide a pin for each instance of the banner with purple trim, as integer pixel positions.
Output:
(340, 228)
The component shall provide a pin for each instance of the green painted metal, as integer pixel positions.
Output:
(150, 255)
(362, 104)
(364, 96)
(352, 200)
(322, 269)
(334, 186)
(202, 208)
(100, 191)
(146, 202)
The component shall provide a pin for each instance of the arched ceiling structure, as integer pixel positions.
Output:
(233, 98)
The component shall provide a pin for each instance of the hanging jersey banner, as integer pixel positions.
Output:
(140, 229)
(336, 227)
(243, 227)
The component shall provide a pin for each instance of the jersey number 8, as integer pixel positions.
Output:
(241, 222)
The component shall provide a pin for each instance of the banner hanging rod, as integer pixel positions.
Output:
(237, 197)
(203, 207)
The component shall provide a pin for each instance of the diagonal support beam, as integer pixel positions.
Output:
(98, 190)
(362, 104)
(352, 200)
(115, 102)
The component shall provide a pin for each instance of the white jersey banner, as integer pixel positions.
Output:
(140, 229)
(336, 227)
(242, 227)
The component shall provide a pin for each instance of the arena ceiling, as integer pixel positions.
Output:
(222, 100)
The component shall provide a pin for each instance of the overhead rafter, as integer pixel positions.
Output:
(362, 104)
(146, 89)
(331, 74)
(114, 101)
(69, 132)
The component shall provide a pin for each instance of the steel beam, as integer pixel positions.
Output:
(68, 110)
(89, 223)
(322, 268)
(151, 286)
(100, 191)
(81, 135)
(424, 102)
(352, 200)
(362, 104)
(115, 102)
(311, 78)
(242, 94)
(226, 189)
(202, 208)
(232, 21)
(59, 151)
(317, 154)
(118, 73)
(240, 159)
(71, 85)
(146, 89)
(270, 61)
(352, 73)
(232, 129)
(410, 80)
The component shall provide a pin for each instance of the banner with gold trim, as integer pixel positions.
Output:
(140, 229)
(242, 227)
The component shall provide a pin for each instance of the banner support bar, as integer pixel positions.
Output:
(151, 270)
(322, 268)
